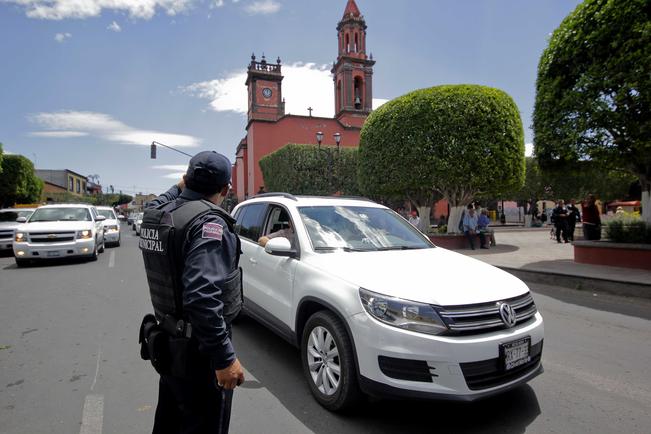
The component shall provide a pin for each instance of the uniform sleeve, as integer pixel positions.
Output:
(168, 196)
(208, 262)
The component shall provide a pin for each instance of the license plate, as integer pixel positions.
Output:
(515, 353)
(53, 253)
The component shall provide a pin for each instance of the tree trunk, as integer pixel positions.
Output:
(453, 220)
(423, 213)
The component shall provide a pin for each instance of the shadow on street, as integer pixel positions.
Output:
(276, 365)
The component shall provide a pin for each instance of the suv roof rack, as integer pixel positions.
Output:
(366, 199)
(285, 195)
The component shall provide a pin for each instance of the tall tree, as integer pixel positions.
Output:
(18, 182)
(455, 141)
(1, 151)
(593, 93)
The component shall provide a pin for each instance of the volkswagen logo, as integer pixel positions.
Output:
(508, 314)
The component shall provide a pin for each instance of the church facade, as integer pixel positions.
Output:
(269, 128)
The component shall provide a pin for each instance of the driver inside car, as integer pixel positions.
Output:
(285, 232)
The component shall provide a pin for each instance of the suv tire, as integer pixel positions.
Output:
(101, 249)
(93, 257)
(323, 337)
(22, 262)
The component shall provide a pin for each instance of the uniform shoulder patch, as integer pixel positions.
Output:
(212, 230)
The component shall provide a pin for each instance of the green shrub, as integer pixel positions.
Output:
(306, 169)
(628, 230)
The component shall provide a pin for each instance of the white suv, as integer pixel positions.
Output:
(56, 231)
(8, 225)
(376, 308)
(111, 225)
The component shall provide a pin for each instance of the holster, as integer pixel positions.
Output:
(170, 351)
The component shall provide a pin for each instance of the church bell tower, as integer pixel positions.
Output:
(353, 70)
(264, 84)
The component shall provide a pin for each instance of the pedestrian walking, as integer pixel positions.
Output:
(559, 219)
(191, 255)
(573, 216)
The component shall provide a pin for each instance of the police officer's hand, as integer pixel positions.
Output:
(230, 377)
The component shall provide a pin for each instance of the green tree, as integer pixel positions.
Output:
(455, 141)
(306, 169)
(18, 183)
(593, 92)
(1, 151)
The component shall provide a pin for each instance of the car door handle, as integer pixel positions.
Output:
(253, 261)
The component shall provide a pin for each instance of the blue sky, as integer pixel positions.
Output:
(86, 84)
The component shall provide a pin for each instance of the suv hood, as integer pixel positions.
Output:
(9, 225)
(56, 226)
(434, 276)
(110, 222)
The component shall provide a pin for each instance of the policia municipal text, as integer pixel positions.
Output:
(191, 255)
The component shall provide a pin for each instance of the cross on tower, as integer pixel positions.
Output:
(310, 110)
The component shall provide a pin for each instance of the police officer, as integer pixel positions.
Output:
(191, 255)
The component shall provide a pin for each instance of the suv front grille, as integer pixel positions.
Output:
(485, 317)
(51, 237)
(489, 373)
(6, 234)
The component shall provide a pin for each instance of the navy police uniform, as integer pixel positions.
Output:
(206, 298)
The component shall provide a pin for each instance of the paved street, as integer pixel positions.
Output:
(68, 351)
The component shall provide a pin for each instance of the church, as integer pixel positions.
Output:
(268, 128)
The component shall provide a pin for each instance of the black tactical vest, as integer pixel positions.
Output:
(162, 235)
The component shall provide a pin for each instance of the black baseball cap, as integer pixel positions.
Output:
(207, 172)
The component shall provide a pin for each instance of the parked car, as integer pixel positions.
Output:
(376, 308)
(8, 225)
(56, 231)
(111, 225)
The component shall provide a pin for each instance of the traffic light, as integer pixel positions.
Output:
(153, 151)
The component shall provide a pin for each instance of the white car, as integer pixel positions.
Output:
(57, 231)
(8, 225)
(376, 308)
(137, 222)
(111, 225)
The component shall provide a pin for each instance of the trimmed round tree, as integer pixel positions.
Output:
(453, 141)
(593, 93)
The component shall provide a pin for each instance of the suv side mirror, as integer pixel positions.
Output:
(100, 218)
(21, 220)
(280, 247)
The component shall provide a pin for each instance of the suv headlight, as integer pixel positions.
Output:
(405, 314)
(20, 237)
(84, 234)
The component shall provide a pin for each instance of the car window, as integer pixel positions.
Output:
(109, 214)
(8, 216)
(358, 228)
(60, 214)
(251, 222)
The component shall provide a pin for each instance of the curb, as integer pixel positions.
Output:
(582, 283)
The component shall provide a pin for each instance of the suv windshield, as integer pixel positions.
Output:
(357, 228)
(109, 214)
(59, 214)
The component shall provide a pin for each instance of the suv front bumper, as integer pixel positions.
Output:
(462, 368)
(28, 250)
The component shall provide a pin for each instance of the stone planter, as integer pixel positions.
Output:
(613, 254)
(452, 241)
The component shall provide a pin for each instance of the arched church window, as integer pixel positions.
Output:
(359, 92)
(356, 43)
(347, 43)
(340, 96)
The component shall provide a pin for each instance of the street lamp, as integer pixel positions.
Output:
(319, 138)
(337, 137)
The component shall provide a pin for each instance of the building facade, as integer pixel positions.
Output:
(269, 128)
(65, 180)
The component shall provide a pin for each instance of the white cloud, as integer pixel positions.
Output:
(80, 9)
(305, 85)
(58, 134)
(217, 4)
(100, 125)
(60, 37)
(176, 170)
(528, 149)
(114, 27)
(262, 7)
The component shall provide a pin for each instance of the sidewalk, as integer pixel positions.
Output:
(530, 254)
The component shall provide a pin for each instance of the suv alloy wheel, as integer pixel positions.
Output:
(95, 251)
(329, 362)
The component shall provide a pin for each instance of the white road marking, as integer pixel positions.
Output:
(112, 259)
(93, 415)
(99, 355)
